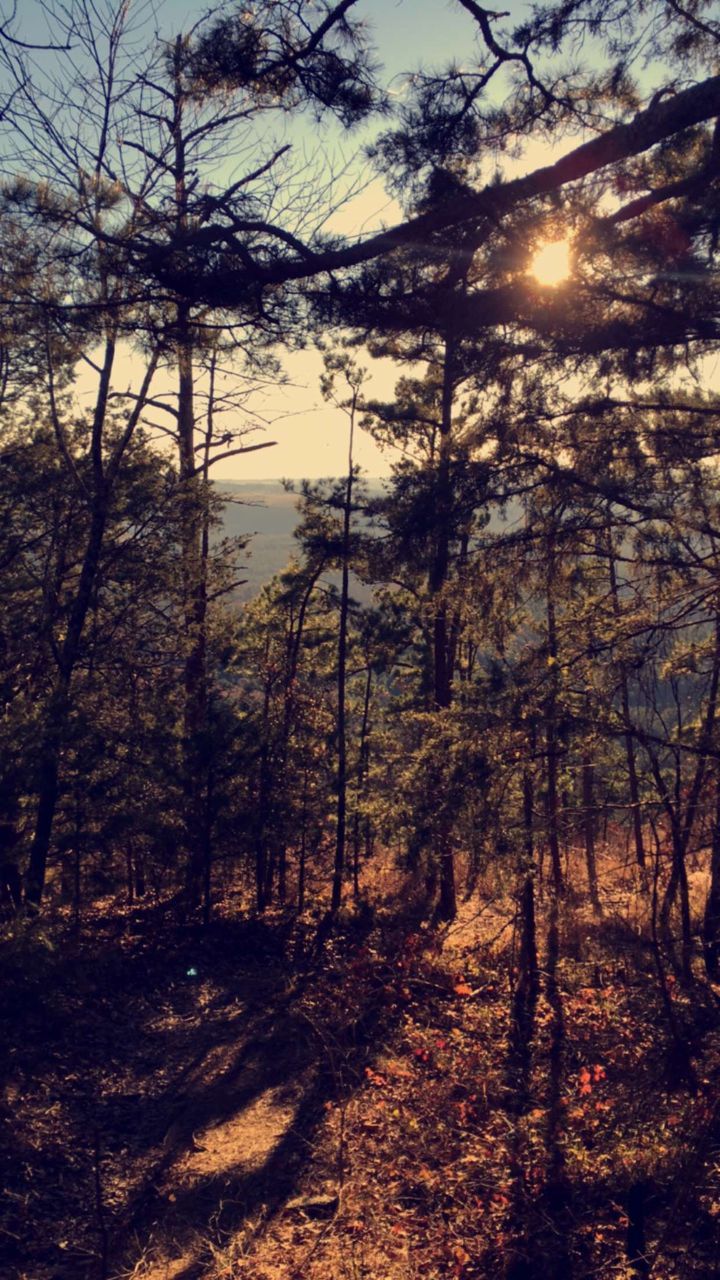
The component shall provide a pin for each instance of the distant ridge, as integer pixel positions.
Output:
(265, 512)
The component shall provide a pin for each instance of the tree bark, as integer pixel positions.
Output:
(682, 829)
(194, 533)
(633, 787)
(589, 815)
(711, 918)
(527, 980)
(341, 811)
(442, 690)
(551, 729)
(194, 571)
(303, 844)
(264, 791)
(362, 781)
(58, 712)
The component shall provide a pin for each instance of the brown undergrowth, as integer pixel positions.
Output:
(260, 1102)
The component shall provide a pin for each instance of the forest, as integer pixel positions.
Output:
(366, 925)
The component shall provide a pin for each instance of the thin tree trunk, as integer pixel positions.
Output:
(264, 789)
(77, 891)
(208, 847)
(685, 922)
(97, 492)
(282, 873)
(680, 1058)
(59, 709)
(341, 812)
(303, 844)
(193, 499)
(292, 662)
(527, 980)
(194, 569)
(270, 876)
(274, 755)
(551, 731)
(633, 785)
(711, 918)
(681, 834)
(589, 816)
(447, 906)
(77, 843)
(362, 782)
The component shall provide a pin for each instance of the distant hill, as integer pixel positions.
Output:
(263, 511)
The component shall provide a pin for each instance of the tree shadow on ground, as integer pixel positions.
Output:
(659, 1194)
(303, 1065)
(223, 1203)
(123, 1051)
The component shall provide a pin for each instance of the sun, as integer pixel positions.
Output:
(550, 264)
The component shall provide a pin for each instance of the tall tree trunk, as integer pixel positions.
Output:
(58, 712)
(362, 781)
(193, 499)
(194, 574)
(274, 754)
(140, 886)
(711, 918)
(682, 832)
(438, 577)
(207, 849)
(264, 793)
(303, 844)
(341, 811)
(270, 874)
(282, 873)
(527, 980)
(589, 815)
(685, 922)
(129, 874)
(633, 785)
(551, 727)
(97, 491)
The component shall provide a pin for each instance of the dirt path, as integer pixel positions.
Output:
(232, 1150)
(162, 1093)
(147, 1081)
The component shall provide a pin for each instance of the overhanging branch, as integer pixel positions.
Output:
(662, 120)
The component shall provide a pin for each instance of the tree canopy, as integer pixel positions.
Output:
(406, 857)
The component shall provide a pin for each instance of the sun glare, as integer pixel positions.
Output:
(551, 263)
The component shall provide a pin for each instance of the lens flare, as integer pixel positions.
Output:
(550, 264)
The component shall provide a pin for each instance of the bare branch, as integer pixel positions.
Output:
(234, 453)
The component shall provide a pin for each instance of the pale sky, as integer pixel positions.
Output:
(311, 435)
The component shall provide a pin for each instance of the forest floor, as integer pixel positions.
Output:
(255, 1101)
